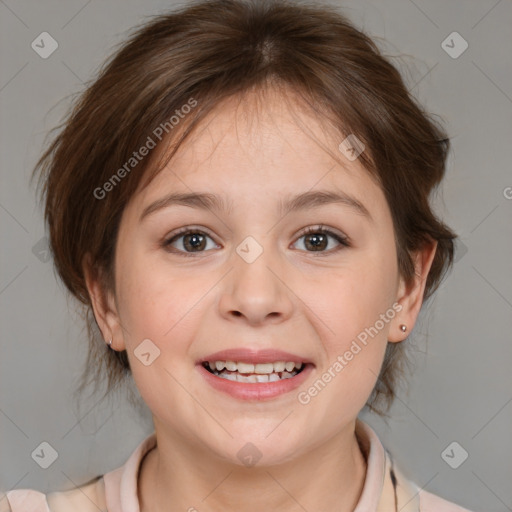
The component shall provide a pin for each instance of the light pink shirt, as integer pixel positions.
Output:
(386, 489)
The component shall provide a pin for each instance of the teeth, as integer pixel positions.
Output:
(243, 367)
(279, 366)
(249, 378)
(254, 378)
(259, 368)
(263, 368)
(254, 373)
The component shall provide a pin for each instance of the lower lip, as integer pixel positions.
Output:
(257, 390)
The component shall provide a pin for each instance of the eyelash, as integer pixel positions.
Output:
(343, 240)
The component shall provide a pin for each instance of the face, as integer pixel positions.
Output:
(246, 277)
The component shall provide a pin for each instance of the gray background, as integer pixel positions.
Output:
(462, 346)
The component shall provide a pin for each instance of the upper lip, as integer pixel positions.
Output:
(254, 356)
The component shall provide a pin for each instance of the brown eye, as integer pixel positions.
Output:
(194, 242)
(317, 240)
(188, 241)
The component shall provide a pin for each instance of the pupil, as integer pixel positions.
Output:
(318, 241)
(194, 241)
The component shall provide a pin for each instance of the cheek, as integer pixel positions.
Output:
(158, 306)
(357, 310)
(163, 305)
(353, 354)
(153, 299)
(359, 299)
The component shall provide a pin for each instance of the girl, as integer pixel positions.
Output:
(241, 201)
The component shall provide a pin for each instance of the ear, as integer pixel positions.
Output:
(410, 295)
(104, 307)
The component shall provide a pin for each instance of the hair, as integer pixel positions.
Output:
(201, 55)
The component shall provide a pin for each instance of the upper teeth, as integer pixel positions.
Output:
(260, 368)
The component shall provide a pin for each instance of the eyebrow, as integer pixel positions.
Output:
(306, 200)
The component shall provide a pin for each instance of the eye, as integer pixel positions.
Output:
(188, 240)
(192, 240)
(316, 239)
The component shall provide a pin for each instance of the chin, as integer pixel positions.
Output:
(251, 449)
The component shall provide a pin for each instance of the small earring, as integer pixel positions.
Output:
(403, 327)
(110, 343)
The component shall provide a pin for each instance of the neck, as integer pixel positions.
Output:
(329, 477)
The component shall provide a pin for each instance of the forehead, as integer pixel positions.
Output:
(261, 145)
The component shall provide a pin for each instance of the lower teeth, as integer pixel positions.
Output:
(255, 378)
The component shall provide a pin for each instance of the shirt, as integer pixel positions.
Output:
(385, 489)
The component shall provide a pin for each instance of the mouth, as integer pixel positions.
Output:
(237, 371)
(250, 375)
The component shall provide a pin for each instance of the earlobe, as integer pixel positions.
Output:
(410, 294)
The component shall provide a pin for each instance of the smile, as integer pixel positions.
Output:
(254, 373)
(243, 381)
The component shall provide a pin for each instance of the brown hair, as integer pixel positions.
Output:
(205, 53)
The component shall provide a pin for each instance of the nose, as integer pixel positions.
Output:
(257, 292)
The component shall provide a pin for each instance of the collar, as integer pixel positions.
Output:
(385, 488)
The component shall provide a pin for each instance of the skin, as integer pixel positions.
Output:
(311, 303)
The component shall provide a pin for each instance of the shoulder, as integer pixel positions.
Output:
(410, 497)
(23, 500)
(432, 503)
(89, 497)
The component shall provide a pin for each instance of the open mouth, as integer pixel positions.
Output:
(254, 373)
